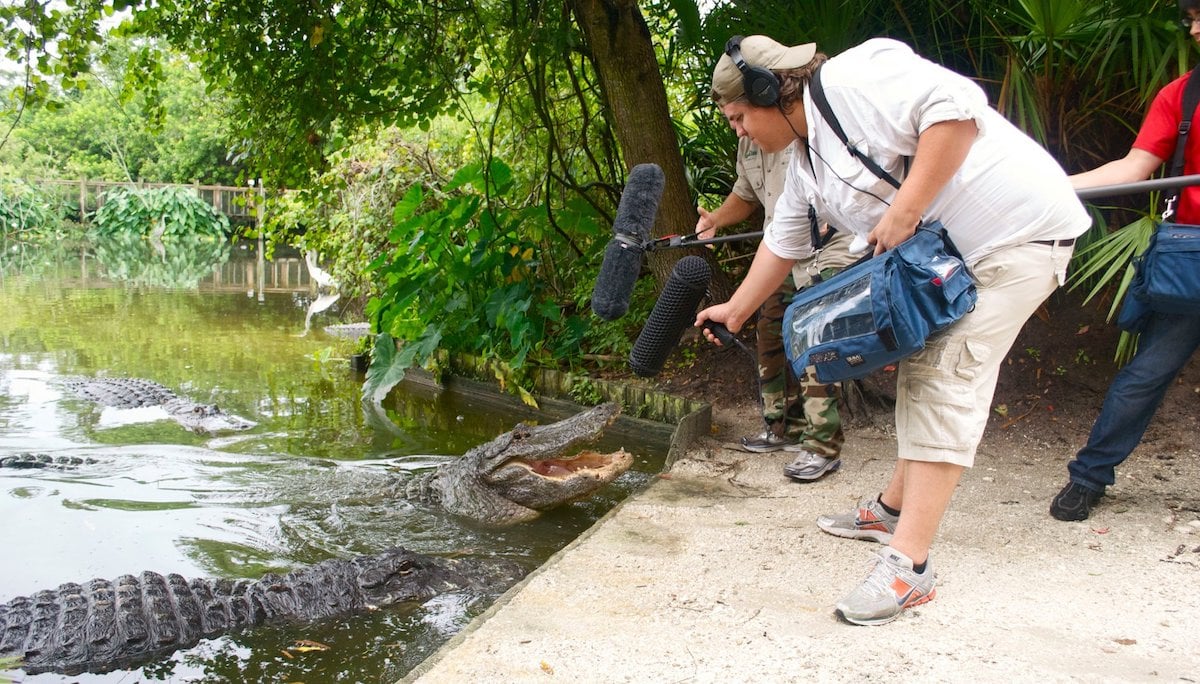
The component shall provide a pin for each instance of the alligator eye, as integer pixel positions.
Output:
(406, 567)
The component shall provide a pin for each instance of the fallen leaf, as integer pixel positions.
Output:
(1126, 642)
(1083, 330)
(1101, 530)
(546, 668)
(304, 646)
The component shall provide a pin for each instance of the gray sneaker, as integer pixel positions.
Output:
(868, 521)
(767, 441)
(891, 587)
(808, 466)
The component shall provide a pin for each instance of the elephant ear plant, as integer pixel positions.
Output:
(158, 213)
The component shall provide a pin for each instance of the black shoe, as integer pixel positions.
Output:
(1074, 502)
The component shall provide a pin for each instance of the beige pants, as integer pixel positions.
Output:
(944, 392)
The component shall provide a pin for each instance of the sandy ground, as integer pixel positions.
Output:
(717, 573)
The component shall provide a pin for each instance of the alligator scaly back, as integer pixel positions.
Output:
(136, 393)
(104, 625)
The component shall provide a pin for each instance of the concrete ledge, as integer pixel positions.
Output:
(692, 419)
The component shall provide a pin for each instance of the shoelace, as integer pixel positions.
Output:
(812, 459)
(879, 581)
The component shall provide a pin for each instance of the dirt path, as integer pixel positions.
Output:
(718, 574)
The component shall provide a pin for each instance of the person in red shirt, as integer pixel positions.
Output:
(1168, 340)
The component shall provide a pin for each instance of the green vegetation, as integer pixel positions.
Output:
(29, 218)
(158, 213)
(110, 123)
(457, 165)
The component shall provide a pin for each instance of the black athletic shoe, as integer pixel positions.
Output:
(1074, 502)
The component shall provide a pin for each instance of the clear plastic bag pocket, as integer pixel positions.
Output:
(840, 314)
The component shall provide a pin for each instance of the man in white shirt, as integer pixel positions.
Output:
(1006, 204)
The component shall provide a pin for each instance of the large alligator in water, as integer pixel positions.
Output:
(135, 393)
(511, 479)
(105, 625)
(525, 471)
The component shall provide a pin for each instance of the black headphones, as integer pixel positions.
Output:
(761, 86)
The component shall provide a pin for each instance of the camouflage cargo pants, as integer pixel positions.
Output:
(804, 409)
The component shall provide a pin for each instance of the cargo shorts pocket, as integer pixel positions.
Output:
(939, 405)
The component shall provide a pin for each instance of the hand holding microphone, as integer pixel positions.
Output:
(724, 337)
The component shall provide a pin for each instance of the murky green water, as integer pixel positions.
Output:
(300, 487)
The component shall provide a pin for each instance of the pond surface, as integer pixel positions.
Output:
(298, 488)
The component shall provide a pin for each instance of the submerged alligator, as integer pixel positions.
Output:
(525, 471)
(135, 393)
(30, 461)
(105, 625)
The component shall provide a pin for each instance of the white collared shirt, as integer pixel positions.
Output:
(1008, 191)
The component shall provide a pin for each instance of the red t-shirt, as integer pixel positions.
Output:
(1158, 134)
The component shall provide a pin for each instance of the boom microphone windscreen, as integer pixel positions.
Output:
(618, 274)
(639, 202)
(674, 311)
(623, 256)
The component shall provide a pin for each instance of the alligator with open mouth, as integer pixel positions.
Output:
(525, 471)
(511, 479)
(135, 393)
(104, 625)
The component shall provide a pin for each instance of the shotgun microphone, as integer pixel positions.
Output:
(623, 256)
(674, 311)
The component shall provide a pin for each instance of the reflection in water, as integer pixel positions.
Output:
(180, 261)
(304, 485)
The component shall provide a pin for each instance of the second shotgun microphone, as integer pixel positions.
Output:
(623, 256)
(674, 311)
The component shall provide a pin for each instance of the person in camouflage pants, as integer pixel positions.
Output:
(799, 415)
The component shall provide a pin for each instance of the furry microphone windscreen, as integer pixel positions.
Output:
(623, 256)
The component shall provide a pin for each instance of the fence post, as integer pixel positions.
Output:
(262, 265)
(83, 212)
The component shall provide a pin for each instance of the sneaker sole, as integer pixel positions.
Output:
(868, 622)
(830, 467)
(761, 450)
(1069, 515)
(864, 535)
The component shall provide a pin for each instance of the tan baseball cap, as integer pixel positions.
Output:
(757, 51)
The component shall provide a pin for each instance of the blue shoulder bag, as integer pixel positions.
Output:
(1167, 275)
(880, 309)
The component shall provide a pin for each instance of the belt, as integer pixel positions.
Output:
(1056, 243)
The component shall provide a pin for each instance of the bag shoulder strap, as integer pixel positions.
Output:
(822, 102)
(1191, 98)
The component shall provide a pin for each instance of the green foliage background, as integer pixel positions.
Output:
(456, 164)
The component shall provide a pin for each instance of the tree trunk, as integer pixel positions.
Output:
(623, 55)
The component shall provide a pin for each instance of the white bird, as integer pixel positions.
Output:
(319, 276)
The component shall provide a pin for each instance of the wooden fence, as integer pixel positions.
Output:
(238, 203)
